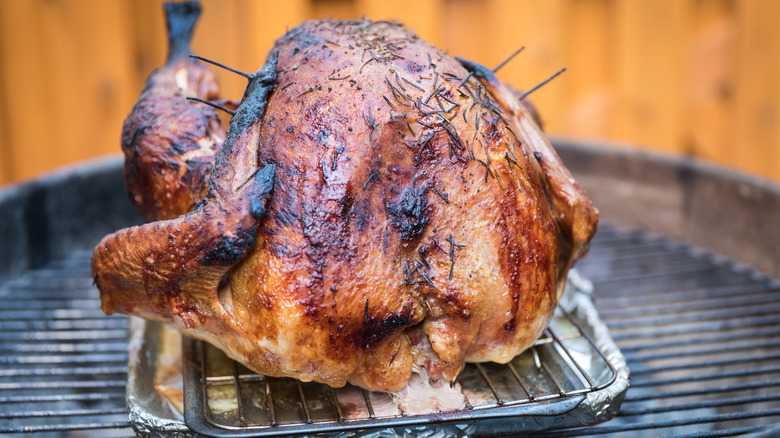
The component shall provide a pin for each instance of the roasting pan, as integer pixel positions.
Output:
(684, 269)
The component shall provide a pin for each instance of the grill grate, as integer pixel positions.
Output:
(63, 363)
(699, 332)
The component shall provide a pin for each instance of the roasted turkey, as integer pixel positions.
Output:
(377, 208)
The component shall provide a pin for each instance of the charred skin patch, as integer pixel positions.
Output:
(228, 250)
(375, 330)
(408, 214)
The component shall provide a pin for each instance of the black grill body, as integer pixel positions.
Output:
(698, 328)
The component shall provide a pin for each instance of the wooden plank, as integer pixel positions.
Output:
(92, 86)
(25, 89)
(5, 140)
(268, 21)
(337, 9)
(425, 18)
(648, 62)
(710, 80)
(148, 36)
(65, 84)
(221, 38)
(463, 32)
(588, 35)
(758, 69)
(539, 27)
(689, 76)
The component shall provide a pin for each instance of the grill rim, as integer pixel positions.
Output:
(683, 198)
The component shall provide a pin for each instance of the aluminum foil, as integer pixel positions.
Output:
(153, 355)
(154, 394)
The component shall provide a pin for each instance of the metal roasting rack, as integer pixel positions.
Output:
(226, 399)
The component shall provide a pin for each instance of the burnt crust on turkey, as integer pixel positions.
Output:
(374, 211)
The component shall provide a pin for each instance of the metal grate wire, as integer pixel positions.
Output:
(63, 363)
(699, 333)
(547, 372)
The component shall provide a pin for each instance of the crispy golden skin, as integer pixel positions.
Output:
(416, 220)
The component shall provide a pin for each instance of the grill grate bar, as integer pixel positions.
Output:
(699, 269)
(63, 413)
(750, 372)
(99, 396)
(691, 328)
(78, 324)
(50, 284)
(680, 283)
(46, 295)
(747, 333)
(668, 423)
(744, 386)
(633, 249)
(108, 347)
(71, 335)
(639, 370)
(628, 412)
(675, 295)
(766, 297)
(652, 266)
(638, 260)
(59, 371)
(107, 384)
(54, 315)
(731, 347)
(65, 427)
(719, 313)
(727, 432)
(647, 290)
(52, 304)
(64, 359)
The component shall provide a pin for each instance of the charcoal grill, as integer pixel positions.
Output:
(684, 267)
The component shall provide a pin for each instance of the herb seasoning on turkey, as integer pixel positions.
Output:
(377, 209)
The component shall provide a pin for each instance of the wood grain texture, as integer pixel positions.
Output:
(693, 77)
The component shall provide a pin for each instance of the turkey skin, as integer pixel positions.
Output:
(377, 208)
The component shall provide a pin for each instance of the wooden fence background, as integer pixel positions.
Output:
(693, 77)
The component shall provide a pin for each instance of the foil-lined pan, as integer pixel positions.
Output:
(575, 375)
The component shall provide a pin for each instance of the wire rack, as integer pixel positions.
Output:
(224, 398)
